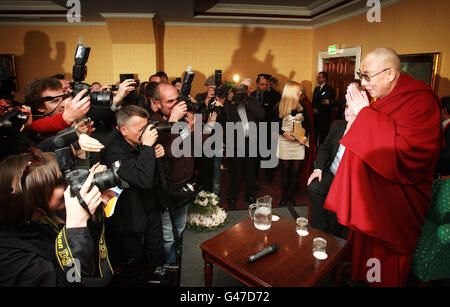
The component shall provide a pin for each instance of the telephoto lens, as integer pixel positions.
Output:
(101, 98)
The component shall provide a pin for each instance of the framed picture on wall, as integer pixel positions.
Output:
(422, 66)
(8, 67)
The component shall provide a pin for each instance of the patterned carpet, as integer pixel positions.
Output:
(273, 189)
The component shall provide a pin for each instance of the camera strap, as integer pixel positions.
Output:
(243, 115)
(70, 266)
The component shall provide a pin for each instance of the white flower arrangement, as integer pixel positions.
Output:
(204, 214)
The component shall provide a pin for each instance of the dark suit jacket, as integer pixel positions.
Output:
(327, 151)
(443, 163)
(138, 170)
(326, 92)
(268, 103)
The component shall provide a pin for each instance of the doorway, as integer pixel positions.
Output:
(341, 71)
(341, 68)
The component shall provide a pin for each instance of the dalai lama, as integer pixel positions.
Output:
(382, 187)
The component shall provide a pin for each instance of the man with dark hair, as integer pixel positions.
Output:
(163, 76)
(443, 163)
(177, 83)
(208, 96)
(267, 100)
(322, 99)
(134, 232)
(64, 82)
(155, 78)
(246, 110)
(47, 96)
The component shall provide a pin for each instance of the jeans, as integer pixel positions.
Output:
(217, 173)
(169, 240)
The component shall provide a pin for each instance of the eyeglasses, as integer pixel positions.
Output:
(33, 159)
(367, 77)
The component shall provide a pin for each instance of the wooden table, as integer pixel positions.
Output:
(292, 265)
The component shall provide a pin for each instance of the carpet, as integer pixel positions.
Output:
(272, 189)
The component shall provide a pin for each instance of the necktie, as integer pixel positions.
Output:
(260, 98)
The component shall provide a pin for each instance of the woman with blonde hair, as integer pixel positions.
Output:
(291, 151)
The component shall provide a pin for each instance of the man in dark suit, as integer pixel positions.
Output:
(246, 110)
(267, 99)
(134, 231)
(327, 162)
(322, 99)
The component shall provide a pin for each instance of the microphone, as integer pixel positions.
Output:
(267, 251)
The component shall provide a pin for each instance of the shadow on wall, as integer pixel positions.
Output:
(244, 62)
(36, 61)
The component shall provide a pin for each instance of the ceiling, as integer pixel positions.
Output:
(282, 13)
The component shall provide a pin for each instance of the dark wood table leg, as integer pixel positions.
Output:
(208, 274)
(338, 274)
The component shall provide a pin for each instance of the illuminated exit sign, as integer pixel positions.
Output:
(332, 49)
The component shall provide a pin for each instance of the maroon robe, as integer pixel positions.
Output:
(382, 187)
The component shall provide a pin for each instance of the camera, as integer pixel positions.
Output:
(12, 121)
(240, 94)
(76, 176)
(79, 72)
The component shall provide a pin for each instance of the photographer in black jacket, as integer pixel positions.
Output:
(246, 110)
(32, 191)
(134, 232)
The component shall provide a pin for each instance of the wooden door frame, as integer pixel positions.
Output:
(345, 52)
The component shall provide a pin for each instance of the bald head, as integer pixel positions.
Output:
(385, 57)
(381, 68)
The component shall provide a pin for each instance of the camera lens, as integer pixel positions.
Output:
(101, 98)
(105, 180)
(164, 127)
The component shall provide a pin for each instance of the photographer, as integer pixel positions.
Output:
(209, 168)
(46, 97)
(181, 168)
(134, 231)
(244, 109)
(209, 95)
(32, 191)
(14, 118)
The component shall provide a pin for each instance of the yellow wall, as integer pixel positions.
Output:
(122, 46)
(407, 27)
(144, 46)
(284, 53)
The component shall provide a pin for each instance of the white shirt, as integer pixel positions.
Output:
(337, 159)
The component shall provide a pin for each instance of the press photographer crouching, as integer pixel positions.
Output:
(134, 231)
(32, 193)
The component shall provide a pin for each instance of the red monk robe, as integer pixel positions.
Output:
(382, 187)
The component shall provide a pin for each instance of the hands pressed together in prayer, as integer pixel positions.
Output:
(356, 99)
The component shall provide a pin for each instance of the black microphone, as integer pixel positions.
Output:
(267, 251)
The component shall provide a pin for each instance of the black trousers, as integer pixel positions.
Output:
(237, 164)
(137, 254)
(321, 218)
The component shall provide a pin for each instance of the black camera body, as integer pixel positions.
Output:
(12, 121)
(162, 128)
(76, 176)
(103, 180)
(79, 72)
(240, 94)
